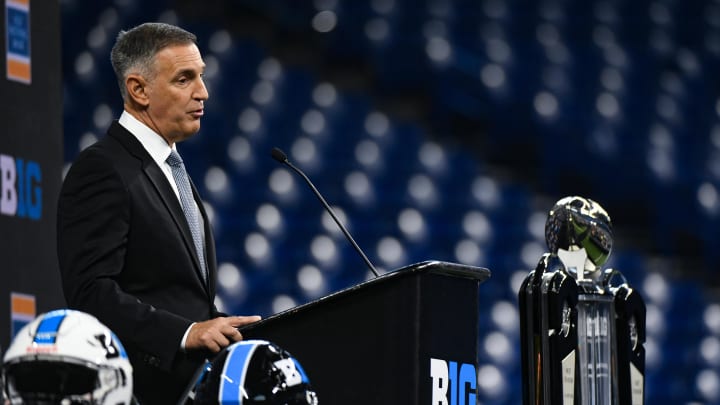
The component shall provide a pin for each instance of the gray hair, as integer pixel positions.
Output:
(134, 50)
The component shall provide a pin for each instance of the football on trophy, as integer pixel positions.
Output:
(576, 223)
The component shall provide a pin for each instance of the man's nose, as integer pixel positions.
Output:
(201, 93)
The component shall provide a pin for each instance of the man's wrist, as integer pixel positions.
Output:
(185, 336)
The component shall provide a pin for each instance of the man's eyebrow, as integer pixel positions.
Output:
(189, 72)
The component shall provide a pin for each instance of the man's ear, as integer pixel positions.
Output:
(137, 89)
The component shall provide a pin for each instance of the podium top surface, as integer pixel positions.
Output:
(472, 273)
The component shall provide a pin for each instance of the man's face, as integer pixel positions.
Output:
(177, 92)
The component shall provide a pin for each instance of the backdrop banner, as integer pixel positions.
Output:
(30, 161)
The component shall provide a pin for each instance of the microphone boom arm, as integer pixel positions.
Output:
(282, 158)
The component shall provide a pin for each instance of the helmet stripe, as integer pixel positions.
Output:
(47, 330)
(120, 347)
(230, 391)
(300, 370)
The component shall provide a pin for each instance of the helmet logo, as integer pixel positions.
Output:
(287, 367)
(106, 342)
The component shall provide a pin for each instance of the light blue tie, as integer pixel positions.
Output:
(188, 205)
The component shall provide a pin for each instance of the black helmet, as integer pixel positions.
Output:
(253, 372)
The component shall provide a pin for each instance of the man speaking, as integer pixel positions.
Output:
(134, 242)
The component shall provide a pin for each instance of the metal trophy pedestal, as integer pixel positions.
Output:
(582, 335)
(595, 346)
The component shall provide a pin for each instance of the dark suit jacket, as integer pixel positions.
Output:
(127, 256)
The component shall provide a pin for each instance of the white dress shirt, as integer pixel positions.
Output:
(153, 143)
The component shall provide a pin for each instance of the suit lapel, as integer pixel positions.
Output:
(167, 195)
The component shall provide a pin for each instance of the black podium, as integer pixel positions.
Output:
(374, 343)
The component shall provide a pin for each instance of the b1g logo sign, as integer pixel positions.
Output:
(453, 383)
(20, 188)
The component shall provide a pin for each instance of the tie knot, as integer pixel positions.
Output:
(174, 159)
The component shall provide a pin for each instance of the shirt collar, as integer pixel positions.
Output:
(153, 143)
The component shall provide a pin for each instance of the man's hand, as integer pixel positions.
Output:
(218, 333)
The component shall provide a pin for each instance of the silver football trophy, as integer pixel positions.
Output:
(582, 326)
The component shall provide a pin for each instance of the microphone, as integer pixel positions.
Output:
(281, 157)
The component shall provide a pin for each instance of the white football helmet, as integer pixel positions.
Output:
(67, 357)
